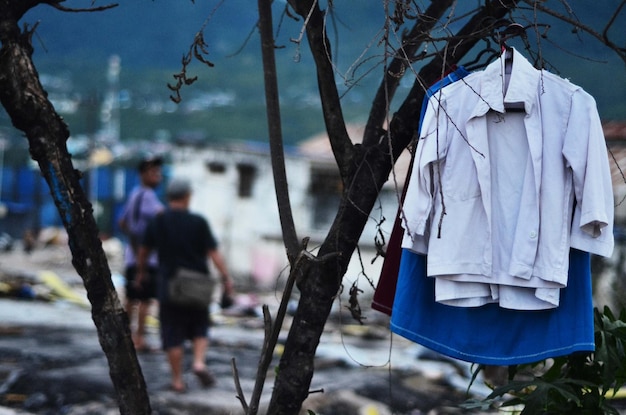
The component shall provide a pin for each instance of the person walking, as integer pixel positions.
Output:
(182, 239)
(141, 206)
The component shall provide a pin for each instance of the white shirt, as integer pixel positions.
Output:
(497, 199)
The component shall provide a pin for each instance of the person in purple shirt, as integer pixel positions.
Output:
(141, 206)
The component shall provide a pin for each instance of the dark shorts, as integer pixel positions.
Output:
(182, 323)
(148, 285)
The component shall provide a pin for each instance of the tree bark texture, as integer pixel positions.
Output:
(30, 111)
(364, 169)
(272, 103)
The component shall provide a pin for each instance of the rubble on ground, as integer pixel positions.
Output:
(51, 361)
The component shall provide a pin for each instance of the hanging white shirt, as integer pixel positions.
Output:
(457, 209)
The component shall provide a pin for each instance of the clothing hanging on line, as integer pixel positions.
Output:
(386, 287)
(490, 334)
(492, 194)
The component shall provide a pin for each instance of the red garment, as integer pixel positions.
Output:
(386, 288)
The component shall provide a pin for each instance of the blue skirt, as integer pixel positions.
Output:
(490, 334)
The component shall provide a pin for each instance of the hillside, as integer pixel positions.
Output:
(72, 50)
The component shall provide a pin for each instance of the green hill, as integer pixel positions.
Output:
(72, 50)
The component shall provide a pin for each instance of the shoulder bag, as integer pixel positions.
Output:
(191, 288)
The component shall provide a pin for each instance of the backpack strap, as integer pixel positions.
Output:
(137, 206)
(135, 239)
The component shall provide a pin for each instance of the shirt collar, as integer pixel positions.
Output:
(524, 79)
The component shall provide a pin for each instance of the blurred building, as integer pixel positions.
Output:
(234, 188)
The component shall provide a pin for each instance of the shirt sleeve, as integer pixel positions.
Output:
(422, 185)
(586, 153)
(210, 242)
(150, 204)
(126, 209)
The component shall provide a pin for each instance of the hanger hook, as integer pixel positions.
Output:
(512, 30)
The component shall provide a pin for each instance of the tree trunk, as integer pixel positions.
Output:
(364, 169)
(320, 285)
(26, 102)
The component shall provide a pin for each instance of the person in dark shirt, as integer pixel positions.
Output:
(182, 239)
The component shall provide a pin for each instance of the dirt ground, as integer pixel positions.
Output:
(51, 362)
(57, 369)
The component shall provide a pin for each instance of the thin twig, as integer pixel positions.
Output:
(621, 52)
(305, 24)
(605, 32)
(83, 10)
(240, 394)
(271, 333)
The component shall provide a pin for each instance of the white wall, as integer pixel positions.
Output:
(249, 228)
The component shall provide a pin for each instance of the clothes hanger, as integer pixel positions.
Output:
(476, 63)
(499, 37)
(490, 52)
(511, 30)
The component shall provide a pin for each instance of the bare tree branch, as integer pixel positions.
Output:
(403, 125)
(331, 104)
(396, 69)
(240, 395)
(19, 7)
(618, 10)
(275, 130)
(27, 104)
(602, 37)
(58, 6)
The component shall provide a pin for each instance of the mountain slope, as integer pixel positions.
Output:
(227, 101)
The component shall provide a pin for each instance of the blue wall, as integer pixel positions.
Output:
(29, 205)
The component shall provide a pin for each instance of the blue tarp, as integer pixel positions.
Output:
(29, 204)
